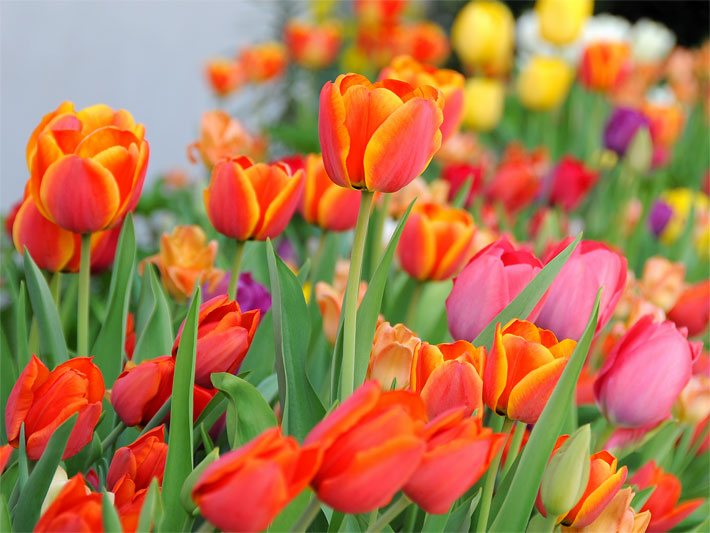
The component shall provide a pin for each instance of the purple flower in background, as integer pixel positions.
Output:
(622, 127)
(286, 251)
(250, 294)
(659, 216)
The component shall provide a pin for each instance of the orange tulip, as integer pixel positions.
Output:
(605, 65)
(313, 46)
(666, 120)
(252, 201)
(618, 516)
(436, 242)
(448, 376)
(224, 76)
(44, 399)
(330, 303)
(5, 453)
(379, 136)
(692, 310)
(518, 179)
(223, 137)
(604, 483)
(186, 259)
(418, 189)
(424, 41)
(140, 391)
(459, 450)
(75, 508)
(522, 369)
(86, 167)
(263, 62)
(391, 357)
(449, 82)
(371, 446)
(263, 476)
(378, 12)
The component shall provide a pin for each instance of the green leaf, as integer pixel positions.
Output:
(53, 347)
(286, 519)
(641, 497)
(152, 510)
(191, 480)
(8, 376)
(248, 414)
(462, 195)
(460, 519)
(178, 464)
(29, 504)
(23, 350)
(5, 523)
(525, 302)
(520, 497)
(112, 524)
(109, 343)
(301, 407)
(156, 339)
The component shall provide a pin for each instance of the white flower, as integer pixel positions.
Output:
(55, 487)
(651, 41)
(531, 43)
(606, 28)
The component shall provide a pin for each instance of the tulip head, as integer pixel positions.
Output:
(562, 21)
(571, 181)
(75, 508)
(692, 309)
(484, 99)
(224, 76)
(223, 137)
(330, 303)
(141, 390)
(263, 62)
(312, 46)
(544, 83)
(518, 178)
(604, 65)
(425, 41)
(391, 357)
(623, 125)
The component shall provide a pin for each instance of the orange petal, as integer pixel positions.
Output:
(495, 374)
(417, 247)
(334, 138)
(529, 397)
(338, 208)
(279, 211)
(454, 240)
(231, 202)
(593, 505)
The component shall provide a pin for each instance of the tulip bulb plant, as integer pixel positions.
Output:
(424, 298)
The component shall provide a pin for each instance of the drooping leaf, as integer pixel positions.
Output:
(460, 518)
(156, 339)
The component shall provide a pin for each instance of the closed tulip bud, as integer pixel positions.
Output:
(263, 475)
(483, 36)
(518, 179)
(43, 400)
(312, 46)
(241, 206)
(223, 137)
(224, 76)
(567, 473)
(562, 21)
(592, 265)
(604, 65)
(436, 242)
(494, 277)
(371, 446)
(544, 82)
(458, 451)
(692, 309)
(633, 393)
(621, 128)
(75, 508)
(86, 167)
(263, 62)
(458, 174)
(618, 517)
(391, 356)
(484, 99)
(141, 390)
(389, 149)
(224, 335)
(571, 181)
(449, 82)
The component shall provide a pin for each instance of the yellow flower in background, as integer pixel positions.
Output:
(562, 21)
(669, 216)
(483, 103)
(322, 9)
(483, 36)
(544, 83)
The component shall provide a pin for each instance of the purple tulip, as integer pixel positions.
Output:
(621, 128)
(660, 215)
(250, 294)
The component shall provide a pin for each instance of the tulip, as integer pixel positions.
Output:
(483, 36)
(518, 178)
(129, 345)
(223, 137)
(618, 516)
(484, 99)
(666, 513)
(141, 390)
(449, 82)
(5, 453)
(562, 21)
(263, 475)
(670, 215)
(43, 400)
(264, 62)
(241, 206)
(651, 41)
(621, 128)
(378, 12)
(312, 46)
(371, 446)
(633, 393)
(458, 452)
(425, 41)
(458, 174)
(87, 167)
(76, 508)
(330, 304)
(224, 76)
(692, 309)
(391, 357)
(544, 83)
(448, 376)
(492, 279)
(224, 335)
(522, 369)
(662, 282)
(185, 259)
(436, 242)
(604, 65)
(666, 122)
(571, 296)
(373, 155)
(420, 190)
(570, 183)
(252, 294)
(693, 405)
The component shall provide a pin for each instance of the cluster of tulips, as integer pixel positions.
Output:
(402, 329)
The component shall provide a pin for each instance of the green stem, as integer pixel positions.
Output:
(489, 483)
(111, 437)
(309, 514)
(158, 417)
(55, 287)
(515, 443)
(413, 304)
(347, 376)
(236, 266)
(379, 221)
(84, 282)
(314, 275)
(604, 435)
(390, 514)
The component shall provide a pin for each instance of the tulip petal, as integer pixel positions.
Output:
(455, 241)
(338, 209)
(453, 385)
(281, 208)
(496, 372)
(334, 137)
(594, 503)
(668, 521)
(529, 397)
(417, 247)
(20, 400)
(231, 202)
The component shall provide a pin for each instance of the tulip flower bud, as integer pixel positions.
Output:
(567, 474)
(639, 154)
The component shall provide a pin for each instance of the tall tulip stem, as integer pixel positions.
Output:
(392, 512)
(347, 375)
(515, 443)
(309, 515)
(490, 482)
(236, 267)
(83, 311)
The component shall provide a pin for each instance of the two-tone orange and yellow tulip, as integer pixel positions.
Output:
(604, 65)
(223, 137)
(313, 46)
(392, 354)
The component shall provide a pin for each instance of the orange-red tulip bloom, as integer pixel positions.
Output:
(74, 509)
(692, 310)
(223, 137)
(378, 136)
(605, 65)
(312, 46)
(252, 201)
(371, 446)
(224, 75)
(436, 242)
(522, 369)
(391, 356)
(87, 167)
(246, 488)
(263, 62)
(43, 400)
(5, 453)
(448, 376)
(224, 335)
(141, 390)
(424, 41)
(459, 450)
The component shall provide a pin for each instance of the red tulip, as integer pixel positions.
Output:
(313, 46)
(74, 509)
(457, 174)
(517, 180)
(605, 65)
(692, 310)
(141, 390)
(570, 183)
(5, 453)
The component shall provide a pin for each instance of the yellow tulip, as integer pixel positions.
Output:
(561, 21)
(544, 83)
(483, 103)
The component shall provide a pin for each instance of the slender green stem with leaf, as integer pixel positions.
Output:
(514, 448)
(392, 512)
(236, 267)
(82, 333)
(490, 481)
(308, 516)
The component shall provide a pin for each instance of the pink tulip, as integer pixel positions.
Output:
(571, 296)
(644, 373)
(490, 281)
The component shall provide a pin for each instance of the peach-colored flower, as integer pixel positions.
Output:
(222, 137)
(662, 281)
(391, 356)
